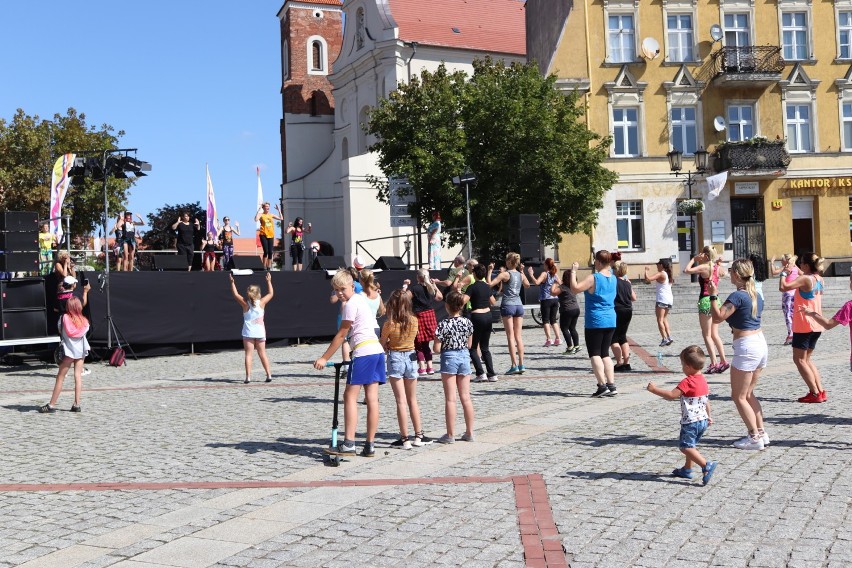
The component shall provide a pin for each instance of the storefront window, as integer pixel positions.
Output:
(628, 222)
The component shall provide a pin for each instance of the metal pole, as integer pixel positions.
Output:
(692, 248)
(106, 252)
(467, 203)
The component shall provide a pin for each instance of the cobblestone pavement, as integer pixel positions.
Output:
(174, 462)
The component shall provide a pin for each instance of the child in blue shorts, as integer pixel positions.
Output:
(693, 393)
(453, 338)
(367, 368)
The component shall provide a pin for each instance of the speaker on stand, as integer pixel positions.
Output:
(525, 238)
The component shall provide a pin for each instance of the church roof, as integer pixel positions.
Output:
(495, 26)
(324, 2)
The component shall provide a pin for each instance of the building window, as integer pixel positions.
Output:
(799, 128)
(628, 223)
(625, 132)
(680, 36)
(621, 38)
(737, 31)
(285, 60)
(846, 122)
(684, 130)
(317, 56)
(844, 34)
(794, 35)
(740, 123)
(359, 29)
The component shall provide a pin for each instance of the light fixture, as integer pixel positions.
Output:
(675, 157)
(466, 178)
(701, 157)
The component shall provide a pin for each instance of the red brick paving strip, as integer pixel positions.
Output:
(539, 535)
(650, 360)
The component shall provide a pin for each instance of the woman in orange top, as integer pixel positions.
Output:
(267, 230)
(806, 330)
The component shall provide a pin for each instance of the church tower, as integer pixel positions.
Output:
(311, 35)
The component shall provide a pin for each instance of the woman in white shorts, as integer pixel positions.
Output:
(742, 310)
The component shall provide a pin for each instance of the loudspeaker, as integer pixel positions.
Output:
(23, 324)
(524, 235)
(248, 263)
(19, 221)
(525, 221)
(841, 268)
(530, 252)
(19, 262)
(390, 263)
(22, 294)
(19, 241)
(169, 262)
(328, 263)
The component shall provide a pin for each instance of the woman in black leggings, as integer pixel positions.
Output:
(569, 312)
(481, 298)
(267, 230)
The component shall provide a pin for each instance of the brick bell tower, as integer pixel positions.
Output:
(311, 36)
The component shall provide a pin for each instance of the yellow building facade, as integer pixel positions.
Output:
(765, 87)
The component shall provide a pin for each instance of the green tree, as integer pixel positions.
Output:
(525, 141)
(29, 146)
(160, 235)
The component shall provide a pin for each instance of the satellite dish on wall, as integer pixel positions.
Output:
(650, 48)
(719, 123)
(716, 32)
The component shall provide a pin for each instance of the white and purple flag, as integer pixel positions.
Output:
(212, 221)
(59, 181)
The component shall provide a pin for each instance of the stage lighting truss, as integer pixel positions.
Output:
(109, 163)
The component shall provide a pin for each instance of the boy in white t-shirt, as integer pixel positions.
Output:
(367, 367)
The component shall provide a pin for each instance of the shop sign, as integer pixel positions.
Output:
(747, 188)
(822, 187)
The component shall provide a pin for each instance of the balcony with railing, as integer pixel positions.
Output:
(757, 157)
(749, 66)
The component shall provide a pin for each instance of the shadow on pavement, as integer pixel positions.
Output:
(628, 440)
(524, 392)
(631, 476)
(23, 407)
(790, 419)
(298, 399)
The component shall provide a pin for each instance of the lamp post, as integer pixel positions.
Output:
(676, 165)
(466, 178)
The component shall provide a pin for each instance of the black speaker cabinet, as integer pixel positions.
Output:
(390, 263)
(530, 252)
(19, 221)
(169, 262)
(525, 221)
(841, 268)
(19, 241)
(19, 262)
(27, 293)
(524, 235)
(248, 263)
(23, 324)
(328, 263)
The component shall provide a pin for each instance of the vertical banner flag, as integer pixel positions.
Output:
(715, 184)
(212, 221)
(58, 188)
(259, 194)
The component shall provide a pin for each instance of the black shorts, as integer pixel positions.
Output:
(622, 322)
(549, 310)
(806, 341)
(598, 341)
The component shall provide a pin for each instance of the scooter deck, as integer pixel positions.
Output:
(336, 452)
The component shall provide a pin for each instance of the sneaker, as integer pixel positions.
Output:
(401, 444)
(663, 342)
(86, 371)
(269, 379)
(576, 349)
(446, 439)
(521, 369)
(342, 449)
(557, 342)
(245, 382)
(669, 341)
(47, 409)
(708, 470)
(710, 370)
(493, 379)
(513, 370)
(823, 396)
(618, 368)
(810, 398)
(750, 443)
(421, 372)
(685, 473)
(740, 441)
(548, 343)
(570, 351)
(466, 438)
(421, 440)
(369, 451)
(764, 437)
(722, 367)
(75, 408)
(611, 390)
(602, 390)
(430, 371)
(626, 368)
(480, 379)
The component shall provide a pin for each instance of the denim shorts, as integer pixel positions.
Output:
(690, 434)
(664, 305)
(455, 362)
(512, 311)
(401, 364)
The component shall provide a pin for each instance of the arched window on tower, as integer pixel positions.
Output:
(285, 60)
(317, 56)
(359, 28)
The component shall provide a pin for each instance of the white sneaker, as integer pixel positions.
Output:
(480, 379)
(765, 438)
(86, 372)
(750, 443)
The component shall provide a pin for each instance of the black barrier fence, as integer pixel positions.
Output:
(175, 312)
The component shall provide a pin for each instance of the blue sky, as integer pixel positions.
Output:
(189, 82)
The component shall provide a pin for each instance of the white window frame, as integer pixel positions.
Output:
(684, 124)
(625, 126)
(323, 70)
(795, 146)
(685, 36)
(841, 7)
(680, 8)
(791, 6)
(845, 145)
(754, 121)
(730, 10)
(621, 8)
(630, 216)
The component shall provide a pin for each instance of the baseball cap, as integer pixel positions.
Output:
(69, 281)
(358, 262)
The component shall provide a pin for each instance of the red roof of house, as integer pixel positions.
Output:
(495, 26)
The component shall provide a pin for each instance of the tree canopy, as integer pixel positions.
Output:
(29, 146)
(525, 141)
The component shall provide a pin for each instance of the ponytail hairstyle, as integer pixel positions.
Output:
(603, 257)
(744, 270)
(760, 272)
(399, 311)
(666, 264)
(253, 293)
(368, 281)
(513, 259)
(74, 311)
(711, 254)
(423, 278)
(620, 268)
(813, 261)
(789, 257)
(550, 266)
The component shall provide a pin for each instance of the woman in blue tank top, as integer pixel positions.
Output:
(599, 292)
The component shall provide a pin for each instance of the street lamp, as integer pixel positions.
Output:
(676, 165)
(466, 178)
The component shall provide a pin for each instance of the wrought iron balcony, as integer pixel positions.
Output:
(750, 66)
(756, 157)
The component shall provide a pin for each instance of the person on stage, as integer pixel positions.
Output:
(125, 240)
(254, 330)
(267, 230)
(46, 244)
(226, 241)
(208, 248)
(297, 249)
(186, 237)
(435, 241)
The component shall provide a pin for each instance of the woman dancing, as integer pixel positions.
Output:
(548, 303)
(664, 280)
(708, 270)
(742, 310)
(512, 308)
(624, 298)
(226, 241)
(267, 230)
(788, 266)
(254, 330)
(298, 231)
(569, 313)
(125, 239)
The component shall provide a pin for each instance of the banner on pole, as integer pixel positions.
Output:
(715, 184)
(212, 221)
(59, 181)
(259, 197)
